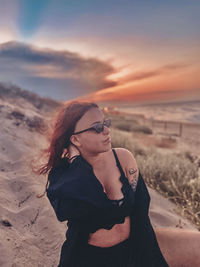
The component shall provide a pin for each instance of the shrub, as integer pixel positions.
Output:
(131, 126)
(166, 142)
(35, 123)
(176, 176)
(124, 126)
(124, 139)
(141, 128)
(17, 114)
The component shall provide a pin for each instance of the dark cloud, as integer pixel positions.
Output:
(61, 73)
(24, 53)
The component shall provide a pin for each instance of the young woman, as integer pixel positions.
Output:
(100, 192)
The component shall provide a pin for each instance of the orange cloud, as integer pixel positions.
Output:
(178, 81)
(142, 75)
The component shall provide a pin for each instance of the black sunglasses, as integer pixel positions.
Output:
(99, 127)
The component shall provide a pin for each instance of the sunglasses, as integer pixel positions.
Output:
(99, 127)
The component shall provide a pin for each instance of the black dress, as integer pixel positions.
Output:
(78, 197)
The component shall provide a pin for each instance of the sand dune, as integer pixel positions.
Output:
(31, 236)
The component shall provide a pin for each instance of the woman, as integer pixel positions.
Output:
(100, 192)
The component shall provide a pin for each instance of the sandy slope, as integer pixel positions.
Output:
(34, 237)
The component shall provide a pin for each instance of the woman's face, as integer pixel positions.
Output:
(91, 141)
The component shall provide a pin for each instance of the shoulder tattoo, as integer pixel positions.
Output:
(134, 179)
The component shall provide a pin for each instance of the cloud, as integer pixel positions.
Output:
(178, 81)
(62, 73)
(163, 70)
(6, 35)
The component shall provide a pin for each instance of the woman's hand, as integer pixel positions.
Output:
(72, 151)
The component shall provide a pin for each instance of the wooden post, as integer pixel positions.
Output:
(180, 129)
(165, 126)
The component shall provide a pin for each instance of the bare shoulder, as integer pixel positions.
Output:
(128, 163)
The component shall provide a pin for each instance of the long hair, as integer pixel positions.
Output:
(65, 122)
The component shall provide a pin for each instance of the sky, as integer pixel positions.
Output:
(116, 50)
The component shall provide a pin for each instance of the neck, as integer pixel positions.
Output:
(97, 160)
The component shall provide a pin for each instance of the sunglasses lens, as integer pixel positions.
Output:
(107, 122)
(98, 128)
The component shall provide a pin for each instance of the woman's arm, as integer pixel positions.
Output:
(129, 165)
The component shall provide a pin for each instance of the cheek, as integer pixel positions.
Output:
(91, 139)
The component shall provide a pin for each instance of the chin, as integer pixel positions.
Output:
(108, 147)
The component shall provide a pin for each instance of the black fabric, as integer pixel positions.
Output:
(114, 256)
(77, 197)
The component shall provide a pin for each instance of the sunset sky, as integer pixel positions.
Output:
(132, 50)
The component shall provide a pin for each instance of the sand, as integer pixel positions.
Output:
(31, 236)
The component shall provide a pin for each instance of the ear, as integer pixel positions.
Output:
(75, 140)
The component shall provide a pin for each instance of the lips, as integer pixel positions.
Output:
(107, 140)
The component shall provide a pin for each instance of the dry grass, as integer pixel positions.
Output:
(34, 123)
(174, 175)
(13, 92)
(123, 139)
(124, 123)
(166, 142)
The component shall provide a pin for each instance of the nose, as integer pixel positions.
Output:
(106, 130)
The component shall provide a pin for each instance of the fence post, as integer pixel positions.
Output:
(165, 126)
(180, 129)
